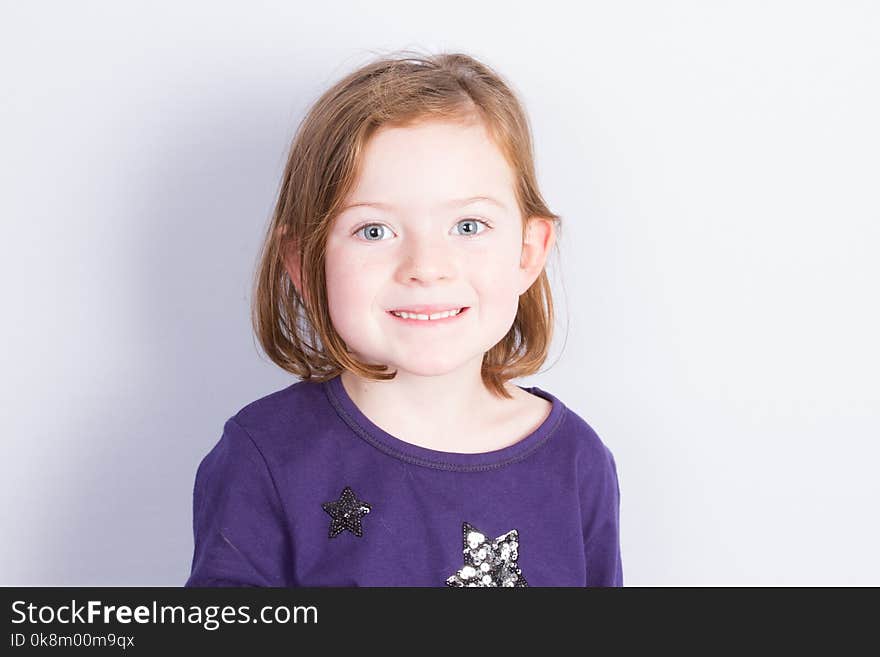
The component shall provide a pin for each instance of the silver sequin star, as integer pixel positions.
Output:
(488, 563)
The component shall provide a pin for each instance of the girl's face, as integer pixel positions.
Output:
(410, 235)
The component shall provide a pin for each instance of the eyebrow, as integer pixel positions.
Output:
(458, 202)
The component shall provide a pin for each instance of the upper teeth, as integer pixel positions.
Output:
(445, 313)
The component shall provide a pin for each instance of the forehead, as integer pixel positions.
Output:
(432, 162)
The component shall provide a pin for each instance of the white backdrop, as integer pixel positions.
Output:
(716, 167)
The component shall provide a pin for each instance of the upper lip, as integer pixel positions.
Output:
(427, 309)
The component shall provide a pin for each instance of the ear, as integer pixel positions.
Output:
(540, 238)
(290, 257)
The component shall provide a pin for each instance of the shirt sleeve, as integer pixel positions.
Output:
(602, 525)
(239, 526)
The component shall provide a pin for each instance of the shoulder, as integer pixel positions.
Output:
(274, 422)
(595, 471)
(278, 408)
(581, 440)
(266, 435)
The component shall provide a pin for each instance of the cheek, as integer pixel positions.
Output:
(351, 292)
(495, 274)
(339, 272)
(342, 286)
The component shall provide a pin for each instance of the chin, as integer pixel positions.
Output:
(425, 367)
(425, 370)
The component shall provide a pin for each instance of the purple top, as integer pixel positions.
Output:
(302, 489)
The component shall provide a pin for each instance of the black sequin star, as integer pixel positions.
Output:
(488, 562)
(346, 513)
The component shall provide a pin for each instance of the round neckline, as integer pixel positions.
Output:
(418, 455)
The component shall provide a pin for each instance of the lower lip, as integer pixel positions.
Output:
(430, 322)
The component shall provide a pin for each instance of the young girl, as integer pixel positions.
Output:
(402, 280)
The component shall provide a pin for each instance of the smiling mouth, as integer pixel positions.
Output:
(435, 318)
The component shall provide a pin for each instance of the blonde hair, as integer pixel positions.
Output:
(292, 322)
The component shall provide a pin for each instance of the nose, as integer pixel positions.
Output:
(426, 259)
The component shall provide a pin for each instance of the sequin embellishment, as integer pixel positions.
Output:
(488, 563)
(346, 512)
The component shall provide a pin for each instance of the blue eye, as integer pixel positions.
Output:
(373, 229)
(376, 230)
(473, 221)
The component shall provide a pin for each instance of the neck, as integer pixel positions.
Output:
(450, 412)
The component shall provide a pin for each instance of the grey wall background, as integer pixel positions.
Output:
(716, 166)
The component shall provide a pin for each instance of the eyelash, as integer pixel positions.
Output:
(376, 223)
